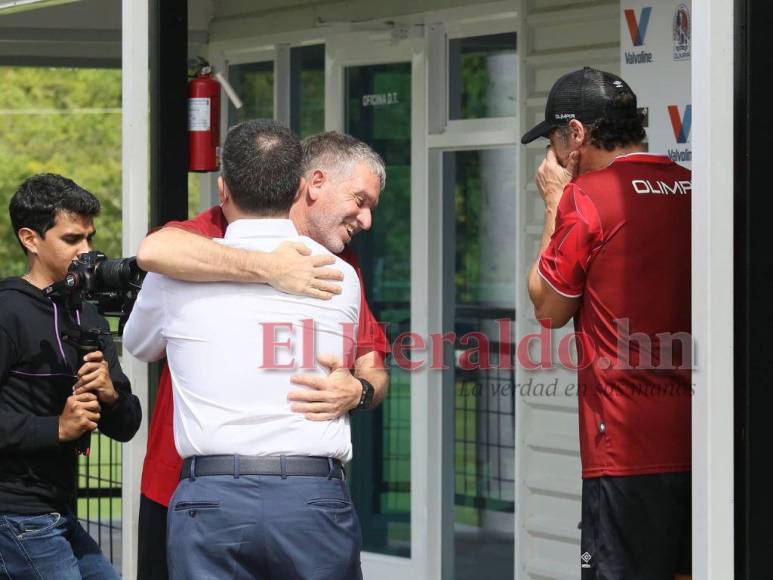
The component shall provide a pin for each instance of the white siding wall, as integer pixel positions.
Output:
(558, 36)
(238, 19)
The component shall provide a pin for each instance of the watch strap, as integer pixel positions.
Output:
(366, 398)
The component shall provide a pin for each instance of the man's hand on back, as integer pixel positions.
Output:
(328, 397)
(184, 255)
(294, 270)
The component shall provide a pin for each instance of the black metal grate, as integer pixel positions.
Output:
(99, 506)
(484, 429)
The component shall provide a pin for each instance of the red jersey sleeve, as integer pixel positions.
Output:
(564, 263)
(210, 223)
(370, 334)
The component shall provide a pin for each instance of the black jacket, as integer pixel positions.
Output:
(37, 372)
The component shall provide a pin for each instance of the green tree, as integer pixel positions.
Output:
(65, 121)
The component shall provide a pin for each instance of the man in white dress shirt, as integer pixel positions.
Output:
(262, 491)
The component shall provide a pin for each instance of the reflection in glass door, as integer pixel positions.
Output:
(479, 195)
(254, 83)
(307, 89)
(378, 111)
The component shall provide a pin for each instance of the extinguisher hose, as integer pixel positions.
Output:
(229, 90)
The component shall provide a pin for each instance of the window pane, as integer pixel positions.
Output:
(480, 187)
(378, 111)
(307, 89)
(254, 83)
(481, 76)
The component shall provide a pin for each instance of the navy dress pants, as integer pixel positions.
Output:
(263, 527)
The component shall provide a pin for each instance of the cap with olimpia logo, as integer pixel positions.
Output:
(586, 95)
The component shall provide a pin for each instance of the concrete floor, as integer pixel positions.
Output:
(479, 555)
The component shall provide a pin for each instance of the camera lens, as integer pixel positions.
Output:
(117, 274)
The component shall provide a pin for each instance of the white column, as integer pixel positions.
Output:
(712, 289)
(497, 278)
(136, 180)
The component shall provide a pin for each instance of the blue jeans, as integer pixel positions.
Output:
(49, 546)
(263, 527)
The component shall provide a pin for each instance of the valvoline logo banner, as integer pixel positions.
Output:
(638, 28)
(655, 58)
(681, 124)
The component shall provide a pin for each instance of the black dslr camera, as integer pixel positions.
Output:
(111, 285)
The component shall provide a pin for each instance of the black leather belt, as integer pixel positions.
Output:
(282, 465)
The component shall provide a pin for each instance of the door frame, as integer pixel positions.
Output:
(393, 45)
(446, 136)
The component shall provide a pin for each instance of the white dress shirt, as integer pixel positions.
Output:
(225, 399)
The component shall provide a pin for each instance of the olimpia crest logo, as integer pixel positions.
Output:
(681, 30)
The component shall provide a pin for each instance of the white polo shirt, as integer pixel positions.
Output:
(217, 338)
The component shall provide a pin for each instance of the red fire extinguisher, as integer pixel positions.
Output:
(204, 121)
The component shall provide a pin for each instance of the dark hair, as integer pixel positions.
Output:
(262, 166)
(624, 125)
(41, 198)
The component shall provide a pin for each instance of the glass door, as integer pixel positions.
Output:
(369, 89)
(378, 111)
(479, 200)
(472, 170)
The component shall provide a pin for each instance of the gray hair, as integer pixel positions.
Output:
(563, 132)
(340, 152)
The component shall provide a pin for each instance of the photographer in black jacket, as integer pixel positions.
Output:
(48, 397)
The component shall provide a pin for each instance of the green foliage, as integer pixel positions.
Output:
(467, 202)
(474, 87)
(312, 106)
(65, 121)
(254, 83)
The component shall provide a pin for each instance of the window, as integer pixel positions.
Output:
(307, 89)
(482, 76)
(254, 83)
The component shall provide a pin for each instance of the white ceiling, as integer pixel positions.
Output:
(78, 33)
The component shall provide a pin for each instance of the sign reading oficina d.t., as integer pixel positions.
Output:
(655, 61)
(380, 100)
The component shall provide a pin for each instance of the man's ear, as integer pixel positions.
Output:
(316, 180)
(578, 133)
(29, 239)
(222, 190)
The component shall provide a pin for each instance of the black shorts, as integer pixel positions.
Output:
(636, 527)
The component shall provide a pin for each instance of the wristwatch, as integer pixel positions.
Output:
(366, 399)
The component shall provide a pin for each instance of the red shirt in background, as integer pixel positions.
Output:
(161, 469)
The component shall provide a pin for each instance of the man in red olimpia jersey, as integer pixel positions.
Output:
(615, 255)
(343, 178)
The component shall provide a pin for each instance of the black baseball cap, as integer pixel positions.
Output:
(585, 95)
